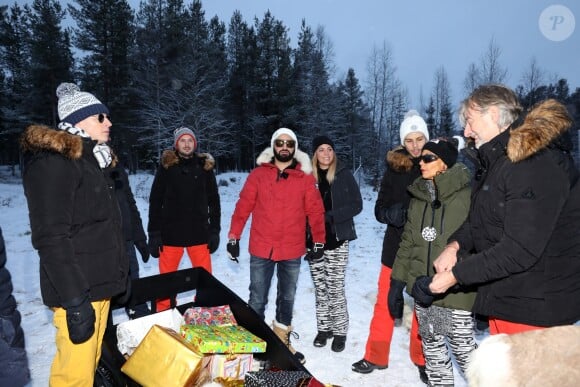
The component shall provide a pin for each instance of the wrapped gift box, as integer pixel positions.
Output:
(130, 333)
(231, 366)
(164, 358)
(278, 379)
(222, 339)
(212, 315)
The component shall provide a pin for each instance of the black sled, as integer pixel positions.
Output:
(208, 292)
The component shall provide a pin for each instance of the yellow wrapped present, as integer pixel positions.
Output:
(222, 339)
(164, 358)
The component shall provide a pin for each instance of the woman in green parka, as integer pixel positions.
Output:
(440, 204)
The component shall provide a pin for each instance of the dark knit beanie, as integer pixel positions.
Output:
(319, 140)
(445, 150)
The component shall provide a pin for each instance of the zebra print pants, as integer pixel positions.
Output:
(329, 291)
(439, 327)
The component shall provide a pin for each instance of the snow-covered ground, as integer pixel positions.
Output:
(327, 366)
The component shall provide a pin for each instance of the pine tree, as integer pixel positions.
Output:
(273, 71)
(51, 59)
(241, 108)
(15, 62)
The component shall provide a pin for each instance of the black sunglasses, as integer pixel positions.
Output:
(289, 143)
(429, 158)
(101, 117)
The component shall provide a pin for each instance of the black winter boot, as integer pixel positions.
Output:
(338, 343)
(321, 337)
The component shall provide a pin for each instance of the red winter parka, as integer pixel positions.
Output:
(280, 205)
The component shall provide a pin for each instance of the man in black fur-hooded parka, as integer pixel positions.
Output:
(184, 207)
(76, 227)
(522, 236)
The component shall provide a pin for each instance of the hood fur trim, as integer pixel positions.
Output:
(542, 125)
(38, 138)
(170, 158)
(302, 158)
(399, 160)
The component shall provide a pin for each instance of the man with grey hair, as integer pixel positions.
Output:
(521, 241)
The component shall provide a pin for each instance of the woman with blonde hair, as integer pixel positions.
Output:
(342, 201)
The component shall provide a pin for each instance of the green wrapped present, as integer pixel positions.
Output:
(222, 339)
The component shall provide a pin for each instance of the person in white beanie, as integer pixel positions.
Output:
(184, 208)
(281, 194)
(391, 209)
(76, 228)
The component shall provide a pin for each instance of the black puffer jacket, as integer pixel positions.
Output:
(74, 218)
(344, 203)
(524, 224)
(132, 224)
(14, 370)
(401, 172)
(184, 204)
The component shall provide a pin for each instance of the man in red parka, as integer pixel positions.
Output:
(281, 195)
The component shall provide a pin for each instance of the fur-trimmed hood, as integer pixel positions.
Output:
(302, 158)
(399, 159)
(543, 126)
(37, 138)
(42, 138)
(170, 158)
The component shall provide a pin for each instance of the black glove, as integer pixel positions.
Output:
(395, 298)
(143, 250)
(421, 292)
(155, 244)
(80, 319)
(395, 215)
(316, 253)
(214, 242)
(233, 248)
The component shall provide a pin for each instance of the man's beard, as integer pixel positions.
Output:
(283, 158)
(185, 155)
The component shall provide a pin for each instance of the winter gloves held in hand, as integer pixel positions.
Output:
(394, 215)
(155, 244)
(233, 248)
(421, 292)
(316, 253)
(143, 250)
(80, 319)
(395, 298)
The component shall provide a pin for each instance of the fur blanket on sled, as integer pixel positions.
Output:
(539, 358)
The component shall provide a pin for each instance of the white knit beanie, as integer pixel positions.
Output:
(413, 123)
(75, 105)
(282, 131)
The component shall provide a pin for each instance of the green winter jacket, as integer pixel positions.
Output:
(416, 254)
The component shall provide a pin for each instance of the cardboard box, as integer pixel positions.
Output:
(164, 359)
(222, 339)
(232, 366)
(131, 333)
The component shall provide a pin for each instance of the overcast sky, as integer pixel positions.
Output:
(424, 34)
